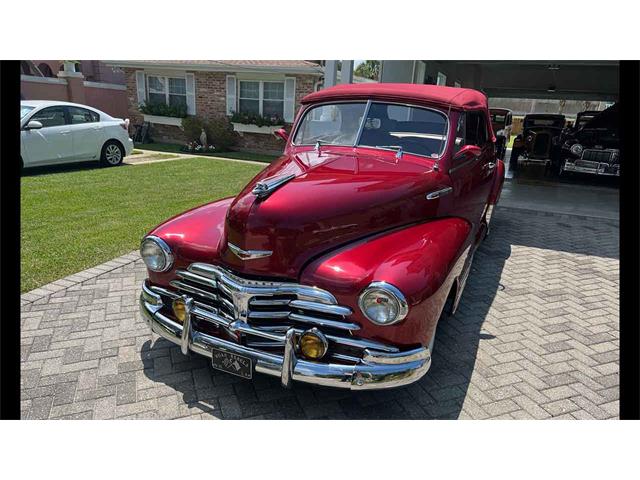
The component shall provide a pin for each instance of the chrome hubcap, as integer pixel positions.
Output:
(113, 154)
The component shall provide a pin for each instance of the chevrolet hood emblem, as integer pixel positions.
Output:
(266, 186)
(248, 254)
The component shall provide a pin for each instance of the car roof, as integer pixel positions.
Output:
(447, 97)
(50, 103)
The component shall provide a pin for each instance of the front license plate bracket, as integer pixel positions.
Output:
(232, 363)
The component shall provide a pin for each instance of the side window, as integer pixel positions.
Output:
(476, 131)
(82, 115)
(50, 117)
(460, 133)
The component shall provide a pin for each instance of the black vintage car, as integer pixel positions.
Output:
(592, 148)
(538, 141)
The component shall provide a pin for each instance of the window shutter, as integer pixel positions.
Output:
(191, 93)
(231, 94)
(289, 99)
(140, 87)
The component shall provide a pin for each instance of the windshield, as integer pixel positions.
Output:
(24, 109)
(415, 130)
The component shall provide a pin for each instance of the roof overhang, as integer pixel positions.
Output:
(215, 67)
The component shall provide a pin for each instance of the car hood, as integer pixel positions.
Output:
(334, 197)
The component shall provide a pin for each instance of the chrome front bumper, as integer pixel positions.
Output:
(599, 170)
(376, 370)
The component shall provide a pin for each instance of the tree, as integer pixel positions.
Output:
(368, 69)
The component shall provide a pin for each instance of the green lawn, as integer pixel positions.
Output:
(173, 148)
(73, 220)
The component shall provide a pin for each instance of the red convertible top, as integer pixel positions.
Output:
(443, 97)
(456, 98)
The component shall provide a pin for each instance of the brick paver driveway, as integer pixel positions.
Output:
(536, 336)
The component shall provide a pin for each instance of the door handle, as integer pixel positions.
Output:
(66, 132)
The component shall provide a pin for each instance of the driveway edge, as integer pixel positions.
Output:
(76, 278)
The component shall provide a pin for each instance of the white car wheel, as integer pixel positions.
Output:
(112, 154)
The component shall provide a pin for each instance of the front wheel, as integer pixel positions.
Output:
(112, 154)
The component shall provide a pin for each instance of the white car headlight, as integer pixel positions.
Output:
(576, 149)
(383, 304)
(156, 254)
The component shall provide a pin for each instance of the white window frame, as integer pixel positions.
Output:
(260, 94)
(166, 87)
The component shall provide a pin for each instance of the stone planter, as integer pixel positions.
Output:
(176, 122)
(249, 128)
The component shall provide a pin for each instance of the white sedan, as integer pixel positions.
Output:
(53, 132)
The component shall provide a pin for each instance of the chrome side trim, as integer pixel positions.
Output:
(439, 193)
(248, 254)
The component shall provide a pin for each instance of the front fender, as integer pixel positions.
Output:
(194, 236)
(422, 261)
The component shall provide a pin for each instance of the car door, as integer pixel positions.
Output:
(86, 132)
(471, 176)
(50, 144)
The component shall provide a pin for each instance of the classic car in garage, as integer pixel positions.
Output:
(593, 147)
(539, 141)
(334, 264)
(502, 124)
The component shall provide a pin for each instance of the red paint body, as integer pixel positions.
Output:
(353, 215)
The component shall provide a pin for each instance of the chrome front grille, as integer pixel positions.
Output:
(260, 312)
(598, 156)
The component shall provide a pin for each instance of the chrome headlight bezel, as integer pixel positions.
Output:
(163, 249)
(389, 291)
(576, 149)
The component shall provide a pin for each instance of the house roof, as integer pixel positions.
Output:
(280, 66)
(457, 98)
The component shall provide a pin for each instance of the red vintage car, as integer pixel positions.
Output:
(335, 263)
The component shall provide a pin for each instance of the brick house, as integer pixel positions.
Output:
(211, 89)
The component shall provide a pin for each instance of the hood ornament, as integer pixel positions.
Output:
(248, 254)
(266, 186)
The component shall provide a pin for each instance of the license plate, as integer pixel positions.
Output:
(232, 363)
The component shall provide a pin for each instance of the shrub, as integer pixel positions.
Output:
(164, 110)
(256, 119)
(219, 132)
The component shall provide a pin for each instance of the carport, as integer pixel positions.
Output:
(587, 80)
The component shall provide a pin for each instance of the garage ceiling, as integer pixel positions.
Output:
(571, 80)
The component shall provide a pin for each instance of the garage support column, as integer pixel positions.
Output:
(346, 72)
(75, 85)
(330, 73)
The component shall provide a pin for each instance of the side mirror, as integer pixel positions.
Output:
(282, 133)
(467, 152)
(33, 125)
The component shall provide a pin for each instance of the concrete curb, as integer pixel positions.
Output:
(76, 278)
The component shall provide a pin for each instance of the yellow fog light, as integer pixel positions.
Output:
(313, 344)
(180, 309)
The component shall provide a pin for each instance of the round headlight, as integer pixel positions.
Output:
(576, 149)
(156, 254)
(383, 304)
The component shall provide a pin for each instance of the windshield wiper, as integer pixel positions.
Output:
(398, 149)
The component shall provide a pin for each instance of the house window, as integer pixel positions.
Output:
(169, 90)
(262, 98)
(442, 79)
